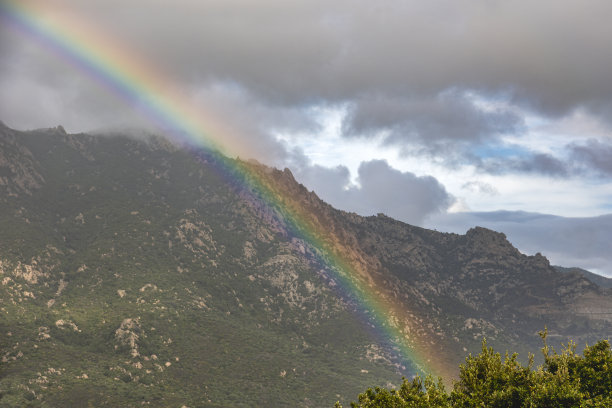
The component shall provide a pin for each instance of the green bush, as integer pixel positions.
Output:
(486, 380)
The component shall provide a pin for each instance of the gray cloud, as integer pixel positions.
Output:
(428, 120)
(580, 159)
(401, 195)
(250, 124)
(330, 184)
(481, 187)
(591, 156)
(539, 163)
(403, 53)
(594, 155)
(581, 242)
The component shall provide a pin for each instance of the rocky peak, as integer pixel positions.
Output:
(483, 242)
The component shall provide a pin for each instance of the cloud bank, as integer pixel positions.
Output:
(403, 66)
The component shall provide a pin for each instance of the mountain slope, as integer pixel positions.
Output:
(599, 280)
(133, 271)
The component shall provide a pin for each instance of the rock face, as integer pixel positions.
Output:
(601, 281)
(135, 272)
(18, 170)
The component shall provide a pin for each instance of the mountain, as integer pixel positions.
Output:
(592, 277)
(134, 272)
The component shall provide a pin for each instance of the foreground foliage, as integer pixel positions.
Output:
(486, 380)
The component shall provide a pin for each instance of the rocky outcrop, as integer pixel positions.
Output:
(19, 173)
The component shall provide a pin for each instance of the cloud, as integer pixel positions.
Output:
(540, 163)
(400, 54)
(249, 125)
(594, 155)
(330, 184)
(591, 156)
(381, 188)
(428, 120)
(480, 187)
(581, 242)
(574, 159)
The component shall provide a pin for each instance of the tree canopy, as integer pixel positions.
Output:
(566, 379)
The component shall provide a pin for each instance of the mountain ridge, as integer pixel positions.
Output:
(120, 250)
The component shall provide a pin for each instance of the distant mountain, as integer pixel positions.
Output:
(593, 277)
(135, 273)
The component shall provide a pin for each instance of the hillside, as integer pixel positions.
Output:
(134, 272)
(599, 280)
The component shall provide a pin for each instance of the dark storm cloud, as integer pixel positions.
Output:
(403, 54)
(401, 195)
(581, 242)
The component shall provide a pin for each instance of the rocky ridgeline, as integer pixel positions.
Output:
(466, 286)
(131, 273)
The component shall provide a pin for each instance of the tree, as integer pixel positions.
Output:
(584, 381)
(486, 380)
(416, 393)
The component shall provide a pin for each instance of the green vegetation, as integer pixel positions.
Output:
(134, 273)
(564, 380)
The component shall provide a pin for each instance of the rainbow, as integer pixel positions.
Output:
(137, 84)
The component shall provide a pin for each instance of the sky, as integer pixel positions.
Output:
(445, 114)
